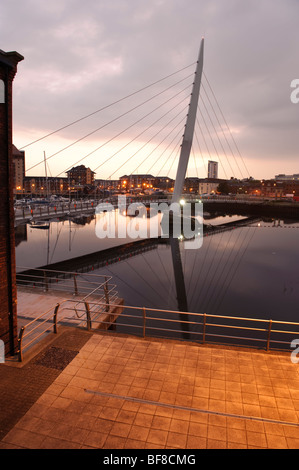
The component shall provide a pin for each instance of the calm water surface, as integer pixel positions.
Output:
(251, 271)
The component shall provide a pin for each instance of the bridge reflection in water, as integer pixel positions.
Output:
(160, 273)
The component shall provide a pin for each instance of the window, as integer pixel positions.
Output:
(2, 92)
(2, 351)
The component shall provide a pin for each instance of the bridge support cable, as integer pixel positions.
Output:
(227, 126)
(145, 144)
(130, 287)
(207, 103)
(194, 159)
(107, 106)
(173, 162)
(200, 151)
(211, 263)
(201, 270)
(112, 121)
(157, 146)
(215, 278)
(153, 137)
(212, 141)
(174, 148)
(235, 271)
(154, 272)
(130, 127)
(113, 138)
(227, 266)
(217, 135)
(205, 142)
(169, 145)
(223, 133)
(139, 276)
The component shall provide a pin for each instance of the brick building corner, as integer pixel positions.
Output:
(8, 294)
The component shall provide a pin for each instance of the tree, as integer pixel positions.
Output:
(223, 188)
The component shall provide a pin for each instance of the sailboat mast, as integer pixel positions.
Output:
(46, 174)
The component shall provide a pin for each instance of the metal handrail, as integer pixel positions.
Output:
(54, 280)
(54, 271)
(23, 335)
(269, 323)
(105, 291)
(87, 309)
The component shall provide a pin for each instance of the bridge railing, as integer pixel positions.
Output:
(38, 211)
(46, 211)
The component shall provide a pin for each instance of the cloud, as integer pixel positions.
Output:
(81, 56)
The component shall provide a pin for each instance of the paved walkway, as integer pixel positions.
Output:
(114, 391)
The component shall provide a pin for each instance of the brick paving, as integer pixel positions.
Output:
(124, 392)
(20, 387)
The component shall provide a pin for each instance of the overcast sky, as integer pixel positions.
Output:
(80, 57)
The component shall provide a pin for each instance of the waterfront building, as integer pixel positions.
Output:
(212, 169)
(282, 177)
(129, 182)
(42, 186)
(191, 185)
(107, 185)
(18, 157)
(164, 183)
(80, 176)
(208, 185)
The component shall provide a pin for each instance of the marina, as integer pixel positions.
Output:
(216, 279)
(149, 280)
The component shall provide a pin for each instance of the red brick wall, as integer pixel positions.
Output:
(8, 295)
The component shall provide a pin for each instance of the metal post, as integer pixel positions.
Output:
(204, 328)
(55, 318)
(46, 282)
(106, 292)
(269, 333)
(20, 339)
(144, 320)
(88, 319)
(75, 285)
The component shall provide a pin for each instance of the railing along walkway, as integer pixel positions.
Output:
(35, 212)
(76, 289)
(198, 327)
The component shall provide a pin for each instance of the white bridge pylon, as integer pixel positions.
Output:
(189, 129)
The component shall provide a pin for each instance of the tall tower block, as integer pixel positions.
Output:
(212, 169)
(8, 294)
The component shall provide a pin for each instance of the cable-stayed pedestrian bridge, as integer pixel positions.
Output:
(171, 128)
